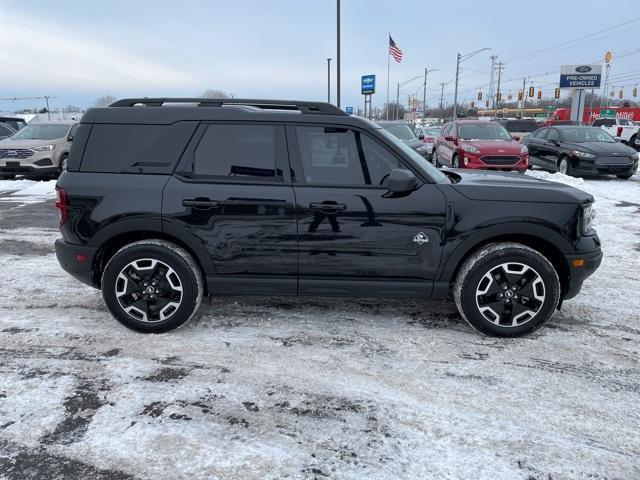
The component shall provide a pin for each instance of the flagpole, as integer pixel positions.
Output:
(388, 70)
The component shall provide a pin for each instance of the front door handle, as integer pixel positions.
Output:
(200, 203)
(327, 207)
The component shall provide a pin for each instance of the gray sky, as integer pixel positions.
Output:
(80, 50)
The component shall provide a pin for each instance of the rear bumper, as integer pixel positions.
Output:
(76, 260)
(577, 275)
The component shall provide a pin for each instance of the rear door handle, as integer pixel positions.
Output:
(200, 203)
(327, 207)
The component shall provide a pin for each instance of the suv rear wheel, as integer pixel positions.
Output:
(152, 286)
(506, 290)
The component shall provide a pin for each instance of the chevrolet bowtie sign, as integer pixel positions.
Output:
(580, 76)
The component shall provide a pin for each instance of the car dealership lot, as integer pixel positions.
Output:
(315, 387)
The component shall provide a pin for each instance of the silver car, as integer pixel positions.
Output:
(38, 150)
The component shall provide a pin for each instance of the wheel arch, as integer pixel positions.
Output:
(537, 242)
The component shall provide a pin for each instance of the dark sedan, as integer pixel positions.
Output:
(402, 131)
(580, 150)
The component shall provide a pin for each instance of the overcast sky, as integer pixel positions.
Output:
(80, 50)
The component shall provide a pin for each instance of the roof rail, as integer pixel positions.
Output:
(315, 108)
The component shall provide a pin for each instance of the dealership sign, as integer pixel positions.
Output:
(580, 76)
(368, 84)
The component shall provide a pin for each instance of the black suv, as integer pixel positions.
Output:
(167, 200)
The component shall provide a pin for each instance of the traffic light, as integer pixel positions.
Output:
(634, 92)
(479, 95)
(532, 92)
(620, 94)
(473, 104)
(556, 93)
(539, 94)
(499, 96)
(520, 95)
(612, 93)
(486, 103)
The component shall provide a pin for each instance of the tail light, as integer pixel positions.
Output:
(61, 204)
(619, 132)
(427, 140)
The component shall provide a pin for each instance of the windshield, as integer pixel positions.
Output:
(418, 160)
(590, 134)
(479, 131)
(403, 132)
(522, 126)
(431, 132)
(42, 132)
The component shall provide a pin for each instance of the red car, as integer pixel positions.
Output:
(479, 144)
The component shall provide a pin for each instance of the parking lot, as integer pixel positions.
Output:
(314, 388)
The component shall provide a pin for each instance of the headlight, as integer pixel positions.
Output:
(470, 148)
(578, 153)
(44, 148)
(586, 221)
(524, 149)
(636, 156)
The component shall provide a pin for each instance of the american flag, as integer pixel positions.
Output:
(395, 50)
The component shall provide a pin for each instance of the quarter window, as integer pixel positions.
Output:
(341, 156)
(553, 135)
(239, 152)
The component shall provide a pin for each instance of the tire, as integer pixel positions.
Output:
(632, 142)
(484, 302)
(63, 164)
(564, 166)
(624, 177)
(7, 177)
(434, 157)
(137, 302)
(455, 162)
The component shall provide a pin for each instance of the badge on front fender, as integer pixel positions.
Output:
(421, 238)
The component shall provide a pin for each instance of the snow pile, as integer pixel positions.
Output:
(37, 188)
(557, 177)
(13, 185)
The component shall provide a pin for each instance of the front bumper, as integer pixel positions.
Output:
(36, 164)
(590, 167)
(474, 162)
(578, 274)
(76, 260)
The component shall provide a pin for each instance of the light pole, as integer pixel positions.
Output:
(398, 93)
(328, 80)
(338, 54)
(442, 84)
(461, 58)
(424, 94)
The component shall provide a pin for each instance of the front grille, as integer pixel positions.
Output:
(614, 160)
(17, 153)
(499, 160)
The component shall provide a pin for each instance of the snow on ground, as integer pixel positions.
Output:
(313, 387)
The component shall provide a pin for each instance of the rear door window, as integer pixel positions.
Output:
(240, 152)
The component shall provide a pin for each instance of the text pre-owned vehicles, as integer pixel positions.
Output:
(161, 205)
(477, 144)
(402, 131)
(39, 150)
(623, 129)
(429, 135)
(581, 150)
(519, 128)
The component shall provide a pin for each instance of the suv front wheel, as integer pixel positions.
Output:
(507, 290)
(152, 286)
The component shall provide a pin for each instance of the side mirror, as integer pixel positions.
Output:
(420, 137)
(69, 138)
(402, 181)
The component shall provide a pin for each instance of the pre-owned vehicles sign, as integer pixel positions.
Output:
(580, 76)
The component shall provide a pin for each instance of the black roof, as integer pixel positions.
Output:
(170, 110)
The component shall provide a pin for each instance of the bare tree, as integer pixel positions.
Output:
(213, 93)
(71, 109)
(104, 101)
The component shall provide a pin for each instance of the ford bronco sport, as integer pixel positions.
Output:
(161, 205)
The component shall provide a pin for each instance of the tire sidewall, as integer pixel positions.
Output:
(466, 291)
(191, 288)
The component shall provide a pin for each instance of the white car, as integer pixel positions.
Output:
(620, 128)
(428, 135)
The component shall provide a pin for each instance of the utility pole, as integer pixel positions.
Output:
(442, 84)
(497, 102)
(397, 102)
(328, 80)
(524, 96)
(459, 59)
(491, 94)
(46, 99)
(338, 54)
(424, 93)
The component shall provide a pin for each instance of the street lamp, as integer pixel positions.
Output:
(328, 80)
(398, 92)
(461, 58)
(424, 94)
